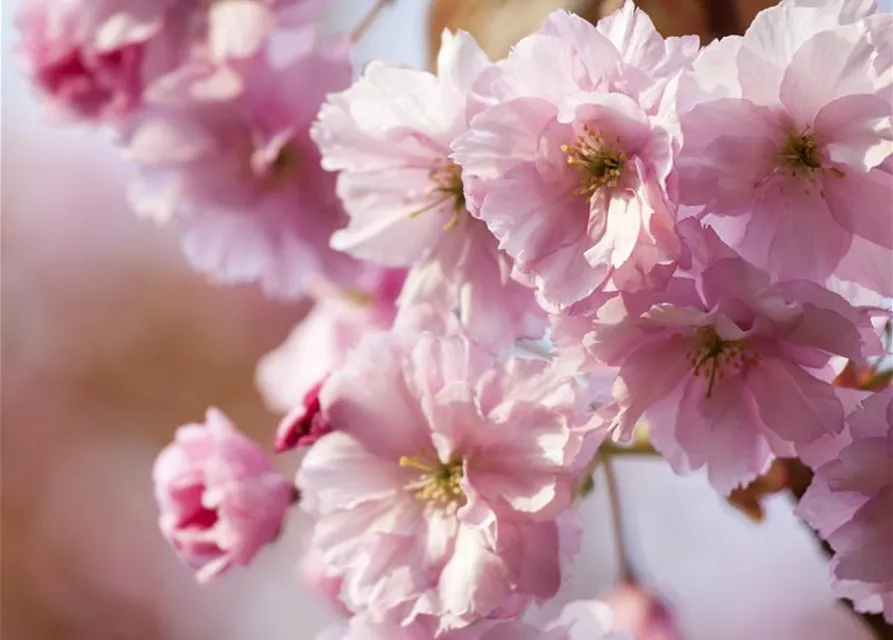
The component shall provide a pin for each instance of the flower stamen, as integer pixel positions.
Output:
(600, 165)
(438, 483)
(447, 179)
(711, 356)
(799, 154)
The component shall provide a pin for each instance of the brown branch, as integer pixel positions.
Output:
(722, 17)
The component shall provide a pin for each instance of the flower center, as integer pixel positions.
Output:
(799, 154)
(711, 356)
(438, 483)
(600, 165)
(285, 160)
(447, 179)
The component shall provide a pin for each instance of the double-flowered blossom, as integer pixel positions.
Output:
(389, 138)
(581, 620)
(224, 153)
(567, 163)
(93, 59)
(727, 369)
(850, 503)
(221, 500)
(787, 137)
(442, 494)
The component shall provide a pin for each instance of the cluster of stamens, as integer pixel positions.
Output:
(799, 154)
(283, 167)
(600, 165)
(438, 483)
(711, 356)
(447, 179)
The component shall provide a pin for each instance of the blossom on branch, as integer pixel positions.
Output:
(389, 138)
(443, 493)
(569, 161)
(224, 153)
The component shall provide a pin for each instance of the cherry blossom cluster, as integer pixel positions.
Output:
(517, 266)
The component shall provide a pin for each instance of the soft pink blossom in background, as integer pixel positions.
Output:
(92, 297)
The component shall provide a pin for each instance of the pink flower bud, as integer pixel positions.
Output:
(221, 500)
(305, 425)
(640, 611)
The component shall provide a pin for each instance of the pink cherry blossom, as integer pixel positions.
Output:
(727, 370)
(570, 161)
(850, 503)
(785, 156)
(389, 138)
(224, 152)
(91, 60)
(221, 500)
(442, 495)
(321, 342)
(582, 620)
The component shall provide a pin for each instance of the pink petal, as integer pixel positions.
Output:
(792, 403)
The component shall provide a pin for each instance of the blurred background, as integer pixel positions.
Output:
(109, 343)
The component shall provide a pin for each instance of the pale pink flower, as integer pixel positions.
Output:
(784, 155)
(221, 500)
(389, 138)
(569, 162)
(850, 504)
(442, 495)
(727, 370)
(319, 344)
(582, 620)
(224, 152)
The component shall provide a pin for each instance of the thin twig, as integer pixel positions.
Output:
(722, 17)
(611, 450)
(368, 20)
(626, 571)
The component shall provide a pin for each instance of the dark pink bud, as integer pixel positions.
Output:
(305, 425)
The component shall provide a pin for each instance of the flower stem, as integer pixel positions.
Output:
(611, 450)
(623, 558)
(368, 20)
(722, 17)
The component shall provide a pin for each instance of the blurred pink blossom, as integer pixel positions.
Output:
(224, 153)
(636, 609)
